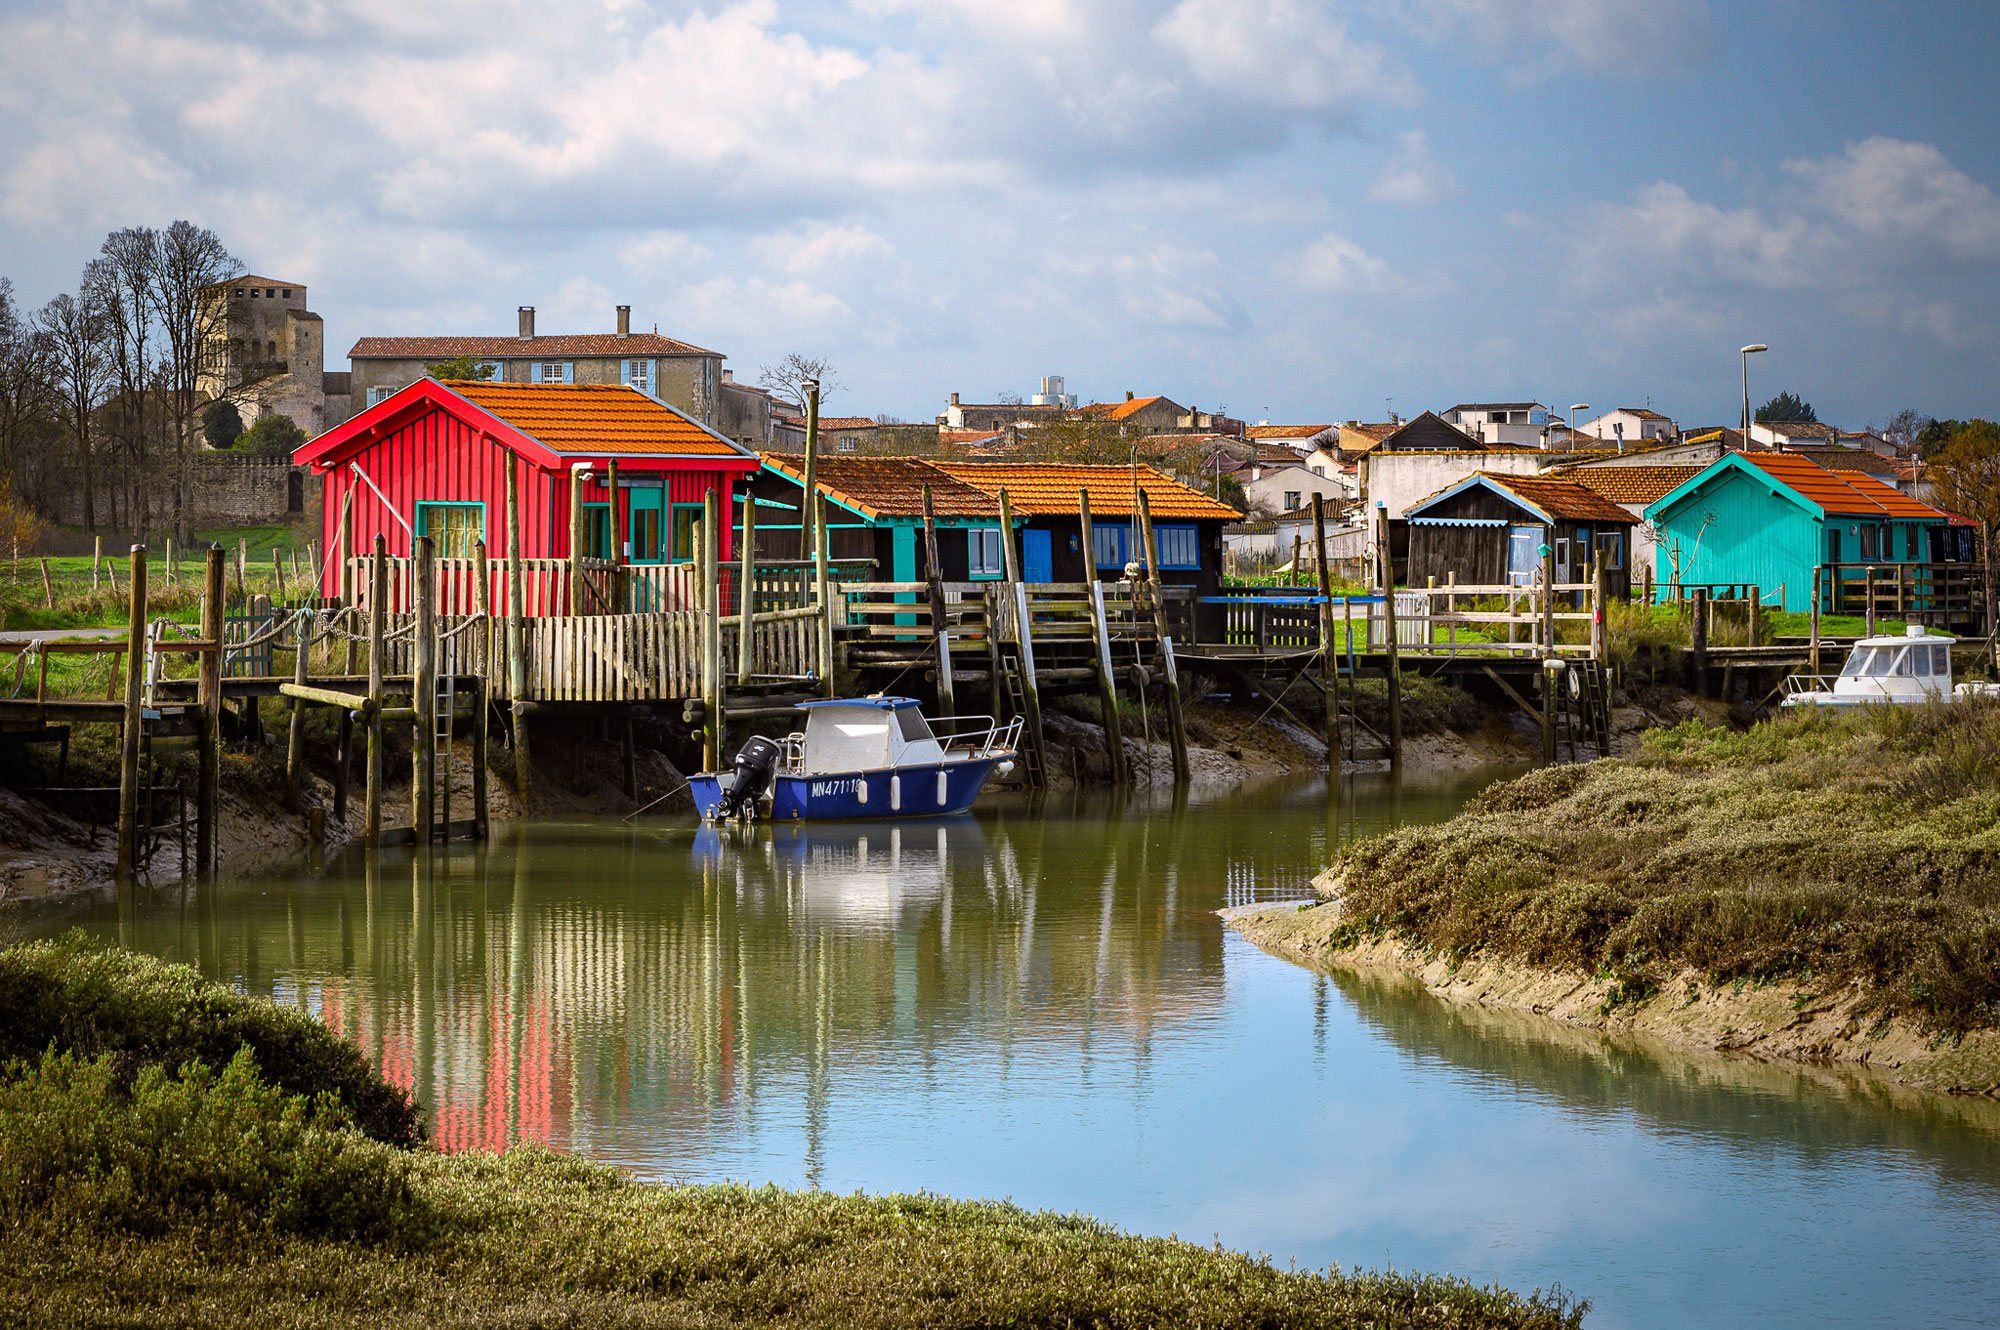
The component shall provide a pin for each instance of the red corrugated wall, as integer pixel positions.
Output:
(436, 457)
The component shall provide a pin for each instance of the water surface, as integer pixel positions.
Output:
(1039, 1003)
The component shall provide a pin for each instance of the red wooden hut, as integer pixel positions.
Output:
(432, 461)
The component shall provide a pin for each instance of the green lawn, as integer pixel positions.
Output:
(84, 602)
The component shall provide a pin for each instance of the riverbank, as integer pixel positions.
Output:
(173, 1153)
(1820, 887)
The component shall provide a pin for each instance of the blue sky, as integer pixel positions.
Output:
(1288, 210)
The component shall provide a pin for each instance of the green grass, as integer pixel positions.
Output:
(140, 1188)
(1832, 848)
(80, 604)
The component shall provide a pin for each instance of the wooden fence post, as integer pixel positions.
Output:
(1600, 597)
(243, 569)
(378, 596)
(1812, 647)
(96, 560)
(173, 561)
(278, 567)
(423, 690)
(1393, 674)
(130, 833)
(208, 691)
(746, 594)
(295, 737)
(1176, 726)
(1024, 634)
(344, 589)
(577, 600)
(1100, 627)
(1698, 640)
(48, 585)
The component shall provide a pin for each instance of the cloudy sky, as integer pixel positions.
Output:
(1289, 210)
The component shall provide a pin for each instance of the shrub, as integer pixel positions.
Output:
(80, 1148)
(73, 997)
(1430, 706)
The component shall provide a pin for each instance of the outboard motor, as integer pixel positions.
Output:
(756, 763)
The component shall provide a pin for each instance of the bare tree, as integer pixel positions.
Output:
(189, 261)
(24, 385)
(1904, 429)
(77, 332)
(119, 282)
(1966, 474)
(788, 378)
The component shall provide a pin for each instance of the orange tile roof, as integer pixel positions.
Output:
(596, 420)
(1632, 484)
(1846, 493)
(887, 486)
(1559, 497)
(1285, 431)
(847, 422)
(1050, 489)
(1121, 410)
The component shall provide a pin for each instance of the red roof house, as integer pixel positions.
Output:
(432, 460)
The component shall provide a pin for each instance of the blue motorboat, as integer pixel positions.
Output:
(861, 757)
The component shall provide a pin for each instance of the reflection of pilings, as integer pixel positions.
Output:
(424, 981)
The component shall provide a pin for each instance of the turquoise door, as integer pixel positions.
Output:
(645, 524)
(1037, 556)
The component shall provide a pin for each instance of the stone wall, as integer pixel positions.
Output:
(227, 490)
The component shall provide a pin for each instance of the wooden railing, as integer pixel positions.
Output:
(1944, 593)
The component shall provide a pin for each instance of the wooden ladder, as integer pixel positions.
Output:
(1033, 758)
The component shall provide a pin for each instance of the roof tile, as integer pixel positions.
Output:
(887, 486)
(1632, 484)
(1845, 493)
(595, 419)
(520, 348)
(1051, 489)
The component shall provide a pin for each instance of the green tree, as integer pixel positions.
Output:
(1966, 475)
(222, 425)
(273, 436)
(1787, 407)
(459, 367)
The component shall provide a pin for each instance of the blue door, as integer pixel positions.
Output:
(1037, 558)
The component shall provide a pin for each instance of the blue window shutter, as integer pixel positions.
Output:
(535, 372)
(569, 372)
(625, 371)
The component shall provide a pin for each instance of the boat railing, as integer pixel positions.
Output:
(978, 735)
(1797, 685)
(792, 754)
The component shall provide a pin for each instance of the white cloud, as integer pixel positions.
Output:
(1413, 178)
(1335, 263)
(818, 245)
(1288, 52)
(664, 251)
(1907, 192)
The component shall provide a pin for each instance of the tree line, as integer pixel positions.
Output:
(104, 390)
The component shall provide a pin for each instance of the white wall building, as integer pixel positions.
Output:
(1629, 425)
(1519, 424)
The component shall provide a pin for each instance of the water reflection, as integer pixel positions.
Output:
(1040, 1003)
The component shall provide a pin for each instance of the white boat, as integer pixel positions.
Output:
(1908, 670)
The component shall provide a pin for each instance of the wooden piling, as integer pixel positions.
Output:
(1868, 605)
(1328, 660)
(940, 627)
(1812, 622)
(1393, 680)
(1698, 640)
(823, 580)
(378, 596)
(1550, 681)
(96, 561)
(482, 686)
(208, 693)
(746, 634)
(1600, 596)
(1752, 626)
(344, 588)
(295, 737)
(577, 586)
(129, 831)
(517, 645)
(1024, 632)
(809, 473)
(48, 585)
(711, 632)
(243, 569)
(1100, 631)
(423, 690)
(278, 567)
(173, 561)
(1176, 724)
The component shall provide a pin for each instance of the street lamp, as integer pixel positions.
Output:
(1748, 352)
(1575, 407)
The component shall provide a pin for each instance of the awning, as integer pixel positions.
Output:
(1460, 521)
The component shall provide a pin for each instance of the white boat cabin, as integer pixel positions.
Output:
(1914, 668)
(865, 734)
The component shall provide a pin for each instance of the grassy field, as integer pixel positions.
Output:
(84, 602)
(172, 1154)
(1828, 848)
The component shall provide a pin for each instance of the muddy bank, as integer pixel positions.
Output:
(1788, 1022)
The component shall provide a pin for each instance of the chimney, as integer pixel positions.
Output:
(729, 376)
(624, 320)
(954, 399)
(1128, 394)
(527, 323)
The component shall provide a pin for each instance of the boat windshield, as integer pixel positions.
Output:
(1858, 662)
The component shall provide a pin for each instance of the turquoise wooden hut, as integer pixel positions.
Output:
(877, 514)
(1769, 519)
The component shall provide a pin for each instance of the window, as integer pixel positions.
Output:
(1110, 542)
(1291, 501)
(554, 371)
(1611, 549)
(270, 293)
(1179, 546)
(1910, 542)
(1940, 661)
(983, 555)
(637, 374)
(377, 393)
(685, 520)
(1833, 544)
(849, 442)
(1867, 542)
(644, 532)
(495, 371)
(597, 530)
(288, 293)
(454, 528)
(254, 293)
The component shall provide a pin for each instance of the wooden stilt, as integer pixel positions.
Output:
(344, 584)
(940, 628)
(129, 831)
(517, 643)
(1023, 634)
(1100, 632)
(423, 690)
(1394, 671)
(579, 602)
(482, 686)
(829, 601)
(96, 560)
(378, 595)
(243, 569)
(208, 690)
(1176, 726)
(1812, 619)
(295, 738)
(711, 632)
(1328, 653)
(746, 635)
(1698, 640)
